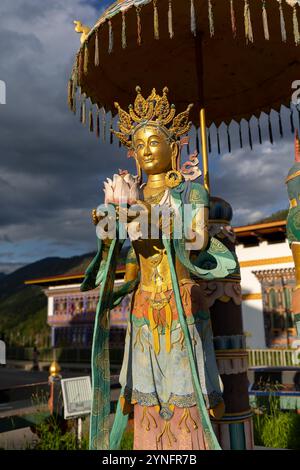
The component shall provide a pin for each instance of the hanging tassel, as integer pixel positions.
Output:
(155, 19)
(111, 139)
(193, 19)
(83, 109)
(124, 41)
(248, 24)
(139, 25)
(120, 145)
(228, 140)
(170, 20)
(292, 122)
(97, 122)
(74, 104)
(250, 136)
(296, 26)
(197, 140)
(270, 129)
(240, 136)
(70, 94)
(280, 125)
(104, 125)
(265, 21)
(188, 148)
(259, 131)
(298, 111)
(81, 112)
(218, 142)
(86, 59)
(282, 22)
(97, 58)
(110, 37)
(211, 19)
(91, 121)
(233, 19)
(80, 65)
(209, 141)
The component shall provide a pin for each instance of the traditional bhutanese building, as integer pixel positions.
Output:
(267, 273)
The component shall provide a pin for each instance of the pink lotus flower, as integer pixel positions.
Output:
(121, 189)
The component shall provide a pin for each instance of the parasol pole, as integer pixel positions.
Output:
(204, 149)
(202, 118)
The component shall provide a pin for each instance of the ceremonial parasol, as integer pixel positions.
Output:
(231, 58)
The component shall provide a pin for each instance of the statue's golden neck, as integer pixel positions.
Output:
(156, 181)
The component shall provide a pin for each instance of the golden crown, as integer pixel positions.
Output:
(154, 110)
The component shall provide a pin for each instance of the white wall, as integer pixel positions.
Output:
(253, 308)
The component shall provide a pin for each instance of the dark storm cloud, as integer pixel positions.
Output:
(52, 169)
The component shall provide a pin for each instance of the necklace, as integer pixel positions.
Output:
(156, 198)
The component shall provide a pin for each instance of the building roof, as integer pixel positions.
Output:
(271, 232)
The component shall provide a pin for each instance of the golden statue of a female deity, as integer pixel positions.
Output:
(169, 375)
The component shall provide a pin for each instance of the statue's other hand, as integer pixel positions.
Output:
(218, 411)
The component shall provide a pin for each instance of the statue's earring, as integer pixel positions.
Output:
(139, 171)
(174, 178)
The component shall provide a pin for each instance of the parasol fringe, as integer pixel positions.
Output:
(83, 110)
(155, 20)
(228, 140)
(298, 111)
(250, 136)
(233, 19)
(218, 142)
(170, 20)
(240, 136)
(70, 94)
(80, 64)
(296, 26)
(86, 59)
(282, 22)
(211, 19)
(124, 40)
(259, 131)
(209, 141)
(139, 25)
(91, 120)
(248, 24)
(110, 37)
(265, 21)
(193, 19)
(97, 127)
(103, 125)
(292, 122)
(97, 52)
(197, 140)
(280, 124)
(270, 130)
(111, 138)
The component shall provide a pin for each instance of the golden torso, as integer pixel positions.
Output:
(152, 257)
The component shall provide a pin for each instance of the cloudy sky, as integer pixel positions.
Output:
(52, 169)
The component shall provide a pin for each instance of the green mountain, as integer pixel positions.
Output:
(23, 309)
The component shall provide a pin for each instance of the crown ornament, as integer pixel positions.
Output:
(154, 110)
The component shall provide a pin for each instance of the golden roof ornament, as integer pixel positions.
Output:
(154, 110)
(81, 28)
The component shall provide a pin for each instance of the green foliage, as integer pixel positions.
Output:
(275, 428)
(57, 434)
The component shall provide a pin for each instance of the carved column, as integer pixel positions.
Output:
(235, 429)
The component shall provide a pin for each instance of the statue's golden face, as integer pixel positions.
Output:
(153, 150)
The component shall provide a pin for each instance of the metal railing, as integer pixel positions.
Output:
(274, 357)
